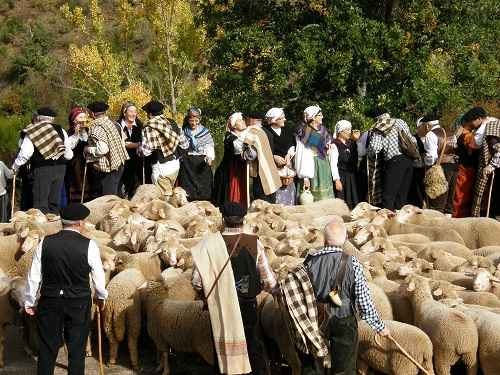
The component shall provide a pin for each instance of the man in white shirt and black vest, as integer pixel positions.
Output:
(45, 148)
(60, 273)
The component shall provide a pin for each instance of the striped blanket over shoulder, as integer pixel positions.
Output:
(300, 301)
(46, 139)
(158, 134)
(103, 129)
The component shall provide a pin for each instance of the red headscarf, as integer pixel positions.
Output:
(73, 114)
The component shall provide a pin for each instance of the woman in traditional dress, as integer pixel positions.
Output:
(283, 140)
(133, 171)
(312, 163)
(78, 119)
(231, 176)
(195, 175)
(468, 144)
(345, 164)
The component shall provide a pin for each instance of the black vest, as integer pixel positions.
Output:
(245, 274)
(37, 160)
(65, 265)
(348, 156)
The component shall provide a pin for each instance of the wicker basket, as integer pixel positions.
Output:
(287, 175)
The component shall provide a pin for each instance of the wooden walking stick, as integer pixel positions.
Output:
(13, 200)
(84, 182)
(489, 194)
(99, 341)
(143, 172)
(405, 353)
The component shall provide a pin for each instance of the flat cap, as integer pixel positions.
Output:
(232, 209)
(98, 107)
(74, 212)
(46, 111)
(153, 107)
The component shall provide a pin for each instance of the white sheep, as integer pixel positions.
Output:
(453, 334)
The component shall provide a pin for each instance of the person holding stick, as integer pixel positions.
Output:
(339, 283)
(60, 272)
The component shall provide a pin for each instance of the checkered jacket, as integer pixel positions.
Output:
(300, 301)
(45, 138)
(103, 129)
(158, 134)
(389, 143)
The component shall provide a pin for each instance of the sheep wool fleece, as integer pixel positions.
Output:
(210, 256)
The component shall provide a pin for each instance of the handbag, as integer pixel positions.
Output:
(435, 181)
(407, 147)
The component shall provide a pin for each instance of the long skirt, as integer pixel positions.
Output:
(416, 195)
(444, 203)
(349, 191)
(4, 208)
(286, 195)
(322, 183)
(195, 176)
(464, 190)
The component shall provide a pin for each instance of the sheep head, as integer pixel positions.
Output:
(363, 210)
(155, 209)
(179, 197)
(166, 229)
(131, 236)
(30, 235)
(367, 233)
(407, 213)
(482, 280)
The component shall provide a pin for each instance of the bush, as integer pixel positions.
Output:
(9, 136)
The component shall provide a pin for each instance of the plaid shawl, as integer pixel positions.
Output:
(159, 135)
(482, 180)
(46, 140)
(104, 130)
(384, 124)
(298, 294)
(198, 140)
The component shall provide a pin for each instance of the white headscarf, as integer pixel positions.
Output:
(273, 114)
(341, 126)
(432, 123)
(233, 118)
(311, 112)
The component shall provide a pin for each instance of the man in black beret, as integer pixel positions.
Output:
(160, 140)
(60, 272)
(252, 273)
(44, 152)
(106, 150)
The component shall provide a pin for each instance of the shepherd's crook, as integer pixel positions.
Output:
(489, 195)
(99, 340)
(84, 182)
(13, 200)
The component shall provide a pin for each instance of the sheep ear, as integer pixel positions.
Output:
(472, 274)
(162, 213)
(457, 287)
(411, 287)
(143, 286)
(495, 279)
(438, 292)
(133, 238)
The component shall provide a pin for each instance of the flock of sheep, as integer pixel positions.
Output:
(435, 280)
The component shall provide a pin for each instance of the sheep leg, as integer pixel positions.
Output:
(470, 361)
(442, 363)
(134, 355)
(166, 367)
(113, 349)
(88, 348)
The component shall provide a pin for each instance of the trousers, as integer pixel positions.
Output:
(255, 349)
(47, 184)
(67, 318)
(397, 180)
(109, 182)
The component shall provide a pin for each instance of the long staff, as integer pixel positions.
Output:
(13, 200)
(84, 181)
(489, 195)
(99, 340)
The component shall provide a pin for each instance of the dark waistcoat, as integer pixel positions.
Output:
(65, 265)
(37, 160)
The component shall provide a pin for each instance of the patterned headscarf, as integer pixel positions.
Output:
(341, 126)
(73, 114)
(311, 112)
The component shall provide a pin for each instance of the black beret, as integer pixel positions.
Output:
(46, 111)
(232, 209)
(154, 108)
(98, 107)
(74, 212)
(256, 115)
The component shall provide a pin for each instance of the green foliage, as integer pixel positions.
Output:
(9, 135)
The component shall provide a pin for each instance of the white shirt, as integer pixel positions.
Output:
(334, 161)
(361, 145)
(27, 150)
(430, 142)
(35, 274)
(276, 130)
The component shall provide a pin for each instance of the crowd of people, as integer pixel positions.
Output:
(443, 168)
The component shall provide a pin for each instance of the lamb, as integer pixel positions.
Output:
(487, 251)
(7, 313)
(444, 261)
(485, 282)
(149, 264)
(452, 333)
(488, 327)
(99, 207)
(123, 313)
(132, 237)
(456, 278)
(379, 353)
(450, 291)
(178, 197)
(430, 252)
(381, 301)
(146, 193)
(15, 257)
(182, 326)
(363, 210)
